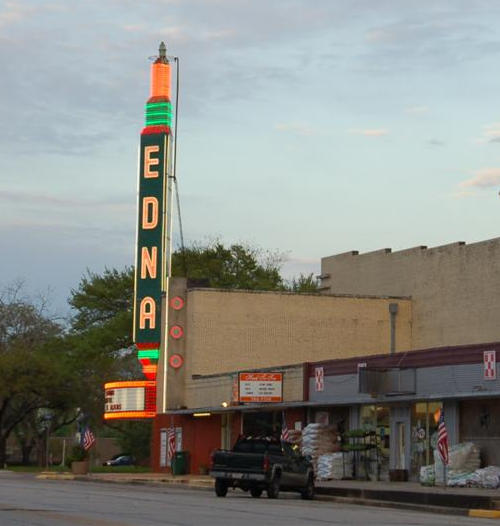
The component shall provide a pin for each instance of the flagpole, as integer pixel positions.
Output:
(172, 459)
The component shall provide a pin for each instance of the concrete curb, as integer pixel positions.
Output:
(180, 482)
(441, 510)
(485, 514)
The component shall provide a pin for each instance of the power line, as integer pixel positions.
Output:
(176, 182)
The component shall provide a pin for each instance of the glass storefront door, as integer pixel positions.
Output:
(424, 424)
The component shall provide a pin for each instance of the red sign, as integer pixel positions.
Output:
(261, 387)
(490, 365)
(319, 378)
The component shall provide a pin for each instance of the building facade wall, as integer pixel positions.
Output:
(442, 380)
(455, 288)
(200, 436)
(480, 423)
(238, 330)
(212, 391)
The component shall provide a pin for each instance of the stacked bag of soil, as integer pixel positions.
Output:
(318, 439)
(334, 466)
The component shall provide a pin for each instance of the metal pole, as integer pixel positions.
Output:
(47, 439)
(170, 174)
(63, 455)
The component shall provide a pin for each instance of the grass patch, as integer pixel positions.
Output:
(121, 469)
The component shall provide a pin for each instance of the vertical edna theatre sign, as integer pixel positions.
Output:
(152, 228)
(152, 246)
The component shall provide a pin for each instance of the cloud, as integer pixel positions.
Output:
(14, 12)
(461, 194)
(299, 129)
(435, 142)
(370, 132)
(417, 109)
(484, 178)
(491, 133)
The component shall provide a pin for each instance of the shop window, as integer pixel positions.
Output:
(377, 418)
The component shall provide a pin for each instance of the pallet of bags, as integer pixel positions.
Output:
(463, 459)
(318, 439)
(334, 466)
(488, 478)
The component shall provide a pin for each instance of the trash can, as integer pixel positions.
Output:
(180, 463)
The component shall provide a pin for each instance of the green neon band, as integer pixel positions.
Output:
(158, 105)
(152, 354)
(158, 113)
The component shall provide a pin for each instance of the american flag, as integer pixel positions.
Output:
(442, 442)
(171, 443)
(285, 435)
(87, 439)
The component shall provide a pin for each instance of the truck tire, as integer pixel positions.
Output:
(220, 488)
(308, 492)
(256, 492)
(273, 490)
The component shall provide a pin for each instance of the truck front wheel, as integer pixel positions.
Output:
(273, 490)
(308, 492)
(255, 492)
(220, 488)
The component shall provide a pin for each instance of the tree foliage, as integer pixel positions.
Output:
(33, 373)
(303, 283)
(237, 266)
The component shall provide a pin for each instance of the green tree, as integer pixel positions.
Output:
(33, 372)
(303, 283)
(235, 267)
(134, 438)
(100, 340)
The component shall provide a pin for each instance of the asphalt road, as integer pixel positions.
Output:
(25, 500)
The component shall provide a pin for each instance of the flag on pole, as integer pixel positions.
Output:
(87, 439)
(171, 443)
(442, 442)
(285, 435)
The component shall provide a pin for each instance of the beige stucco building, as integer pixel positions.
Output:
(455, 289)
(234, 330)
(226, 331)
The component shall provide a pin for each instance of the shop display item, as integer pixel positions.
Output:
(334, 466)
(464, 458)
(318, 439)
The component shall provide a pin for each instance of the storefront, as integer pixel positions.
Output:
(397, 399)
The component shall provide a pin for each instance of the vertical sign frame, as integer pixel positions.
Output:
(489, 365)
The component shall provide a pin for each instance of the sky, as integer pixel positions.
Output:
(307, 127)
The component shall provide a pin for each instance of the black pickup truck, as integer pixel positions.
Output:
(258, 464)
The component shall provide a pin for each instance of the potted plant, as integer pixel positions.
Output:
(79, 460)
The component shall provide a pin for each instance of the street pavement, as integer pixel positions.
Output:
(26, 500)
